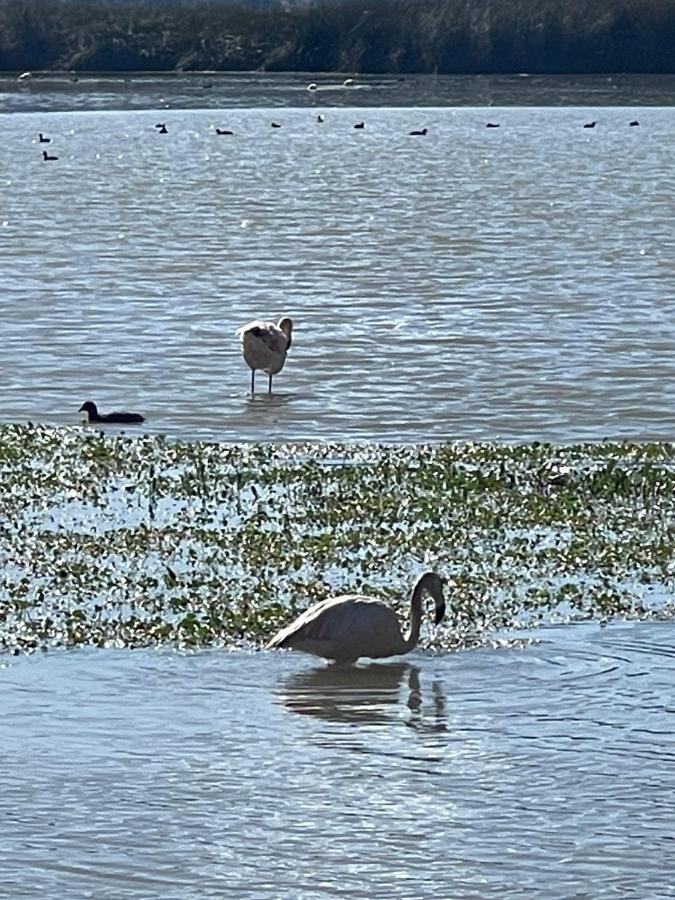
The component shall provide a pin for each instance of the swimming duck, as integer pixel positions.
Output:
(114, 417)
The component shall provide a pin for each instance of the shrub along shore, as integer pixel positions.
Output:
(119, 542)
(382, 36)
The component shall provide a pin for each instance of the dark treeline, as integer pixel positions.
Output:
(375, 36)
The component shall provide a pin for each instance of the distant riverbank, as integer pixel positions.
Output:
(390, 36)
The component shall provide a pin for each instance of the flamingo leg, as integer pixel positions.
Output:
(252, 382)
(269, 389)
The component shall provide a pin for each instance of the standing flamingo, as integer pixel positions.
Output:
(350, 626)
(264, 346)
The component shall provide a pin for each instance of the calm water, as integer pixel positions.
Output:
(547, 771)
(511, 283)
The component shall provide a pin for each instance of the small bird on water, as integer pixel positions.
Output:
(264, 346)
(161, 128)
(223, 131)
(118, 418)
(360, 125)
(419, 131)
(43, 139)
(347, 627)
(47, 157)
(590, 125)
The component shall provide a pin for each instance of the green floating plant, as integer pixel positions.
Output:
(110, 541)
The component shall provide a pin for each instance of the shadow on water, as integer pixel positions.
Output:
(371, 695)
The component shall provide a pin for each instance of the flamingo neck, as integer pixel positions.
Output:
(413, 636)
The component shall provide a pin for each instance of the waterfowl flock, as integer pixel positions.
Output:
(162, 128)
(264, 344)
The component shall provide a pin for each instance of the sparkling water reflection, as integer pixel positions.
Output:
(512, 283)
(545, 768)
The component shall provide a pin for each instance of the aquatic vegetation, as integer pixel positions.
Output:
(112, 541)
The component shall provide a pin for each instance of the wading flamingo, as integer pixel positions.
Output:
(264, 346)
(350, 626)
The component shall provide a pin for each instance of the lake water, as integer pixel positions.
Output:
(511, 283)
(504, 284)
(544, 771)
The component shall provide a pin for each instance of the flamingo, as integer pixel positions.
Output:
(93, 415)
(347, 627)
(264, 345)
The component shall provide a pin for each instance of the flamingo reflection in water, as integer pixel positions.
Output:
(376, 694)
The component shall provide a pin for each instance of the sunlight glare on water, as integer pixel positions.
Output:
(488, 773)
(510, 283)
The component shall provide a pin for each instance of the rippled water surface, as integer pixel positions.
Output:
(547, 770)
(508, 283)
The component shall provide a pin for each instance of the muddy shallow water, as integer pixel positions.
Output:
(544, 768)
